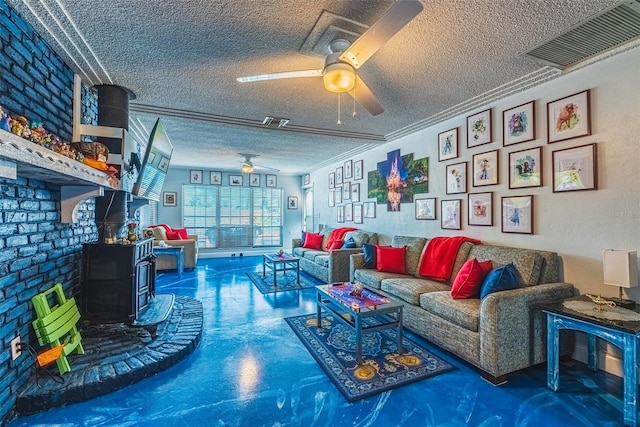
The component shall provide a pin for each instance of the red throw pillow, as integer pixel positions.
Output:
(173, 235)
(182, 232)
(390, 259)
(165, 226)
(336, 245)
(469, 279)
(313, 241)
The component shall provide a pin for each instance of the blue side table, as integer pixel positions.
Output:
(621, 333)
(174, 251)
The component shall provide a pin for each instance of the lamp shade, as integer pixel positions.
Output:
(620, 268)
(339, 77)
(246, 168)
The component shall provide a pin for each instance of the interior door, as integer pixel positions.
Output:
(308, 210)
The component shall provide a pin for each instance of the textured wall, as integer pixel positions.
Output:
(36, 250)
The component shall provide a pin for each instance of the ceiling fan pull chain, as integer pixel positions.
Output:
(354, 101)
(339, 122)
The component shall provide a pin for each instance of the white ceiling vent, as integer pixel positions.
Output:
(594, 36)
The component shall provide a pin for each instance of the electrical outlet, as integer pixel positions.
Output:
(15, 348)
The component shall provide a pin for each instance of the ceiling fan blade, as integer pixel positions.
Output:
(366, 98)
(379, 33)
(283, 75)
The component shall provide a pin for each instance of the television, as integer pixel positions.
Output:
(154, 165)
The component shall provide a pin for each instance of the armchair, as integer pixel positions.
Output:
(174, 237)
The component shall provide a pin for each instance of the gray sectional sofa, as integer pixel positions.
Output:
(331, 266)
(502, 333)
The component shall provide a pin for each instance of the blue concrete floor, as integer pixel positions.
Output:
(251, 370)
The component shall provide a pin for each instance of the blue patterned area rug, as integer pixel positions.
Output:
(333, 347)
(286, 282)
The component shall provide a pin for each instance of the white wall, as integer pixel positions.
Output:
(578, 225)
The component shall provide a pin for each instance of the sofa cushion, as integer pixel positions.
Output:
(312, 254)
(313, 241)
(373, 278)
(414, 249)
(390, 259)
(409, 288)
(173, 235)
(369, 252)
(469, 279)
(462, 312)
(527, 262)
(184, 235)
(499, 279)
(322, 260)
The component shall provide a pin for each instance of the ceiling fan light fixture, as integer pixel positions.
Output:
(339, 77)
(246, 168)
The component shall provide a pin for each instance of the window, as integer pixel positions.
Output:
(233, 217)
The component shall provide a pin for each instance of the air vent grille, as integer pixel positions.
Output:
(595, 36)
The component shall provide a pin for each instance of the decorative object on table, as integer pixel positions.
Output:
(132, 236)
(584, 305)
(280, 252)
(479, 128)
(272, 180)
(195, 177)
(170, 198)
(450, 214)
(357, 289)
(425, 208)
(348, 171)
(525, 168)
(358, 171)
(517, 214)
(456, 178)
(575, 168)
(480, 209)
(621, 269)
(236, 180)
(569, 117)
(448, 145)
(292, 202)
(333, 347)
(485, 168)
(215, 178)
(254, 180)
(600, 303)
(285, 281)
(518, 124)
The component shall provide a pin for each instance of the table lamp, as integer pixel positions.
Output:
(621, 270)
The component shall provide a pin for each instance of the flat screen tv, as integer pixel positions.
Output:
(154, 165)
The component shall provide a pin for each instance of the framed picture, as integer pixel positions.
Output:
(195, 177)
(456, 179)
(479, 129)
(169, 198)
(235, 180)
(346, 191)
(272, 180)
(575, 168)
(215, 178)
(339, 194)
(332, 180)
(348, 171)
(332, 198)
(339, 175)
(569, 117)
(485, 168)
(306, 179)
(292, 202)
(448, 145)
(164, 164)
(357, 214)
(355, 192)
(369, 210)
(518, 124)
(481, 209)
(525, 168)
(358, 172)
(450, 217)
(254, 180)
(425, 208)
(348, 212)
(517, 214)
(340, 214)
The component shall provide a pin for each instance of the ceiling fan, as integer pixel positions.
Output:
(339, 72)
(248, 166)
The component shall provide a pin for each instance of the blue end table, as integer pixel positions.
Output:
(621, 333)
(175, 251)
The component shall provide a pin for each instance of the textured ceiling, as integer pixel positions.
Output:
(182, 58)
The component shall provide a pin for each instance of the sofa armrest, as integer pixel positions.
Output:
(339, 264)
(296, 243)
(193, 237)
(356, 262)
(190, 252)
(513, 326)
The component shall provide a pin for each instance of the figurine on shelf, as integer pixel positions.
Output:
(4, 120)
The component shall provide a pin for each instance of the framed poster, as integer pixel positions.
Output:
(332, 180)
(518, 124)
(485, 168)
(164, 164)
(272, 180)
(235, 180)
(575, 168)
(306, 179)
(448, 145)
(332, 198)
(195, 177)
(348, 212)
(369, 210)
(569, 117)
(339, 194)
(254, 180)
(481, 209)
(517, 214)
(169, 198)
(346, 191)
(292, 202)
(355, 192)
(215, 178)
(456, 178)
(340, 214)
(348, 171)
(479, 129)
(358, 173)
(425, 208)
(357, 214)
(450, 214)
(525, 168)
(339, 171)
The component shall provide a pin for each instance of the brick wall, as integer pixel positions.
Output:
(36, 250)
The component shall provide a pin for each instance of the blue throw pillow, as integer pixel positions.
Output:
(302, 238)
(500, 279)
(369, 255)
(349, 244)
